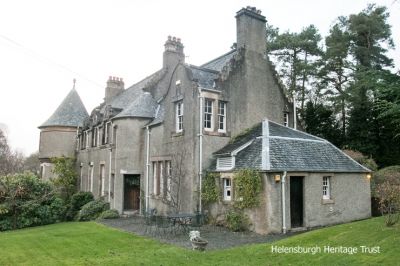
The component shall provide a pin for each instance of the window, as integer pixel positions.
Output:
(221, 116)
(179, 116)
(102, 178)
(326, 187)
(169, 174)
(87, 139)
(156, 179)
(112, 185)
(82, 141)
(208, 115)
(286, 119)
(103, 135)
(108, 133)
(90, 177)
(227, 188)
(94, 137)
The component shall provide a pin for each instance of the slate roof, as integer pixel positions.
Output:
(70, 113)
(143, 106)
(289, 150)
(218, 63)
(125, 98)
(241, 139)
(204, 77)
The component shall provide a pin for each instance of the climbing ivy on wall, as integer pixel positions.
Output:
(247, 184)
(210, 191)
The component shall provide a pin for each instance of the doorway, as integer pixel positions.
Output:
(296, 201)
(131, 192)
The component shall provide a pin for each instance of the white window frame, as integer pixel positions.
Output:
(91, 170)
(87, 143)
(107, 138)
(210, 114)
(326, 187)
(227, 185)
(286, 119)
(179, 116)
(102, 177)
(155, 167)
(169, 176)
(222, 115)
(161, 177)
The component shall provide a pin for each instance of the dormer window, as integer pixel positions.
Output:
(179, 116)
(208, 115)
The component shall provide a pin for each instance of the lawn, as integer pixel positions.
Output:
(90, 243)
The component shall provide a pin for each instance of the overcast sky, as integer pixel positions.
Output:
(44, 45)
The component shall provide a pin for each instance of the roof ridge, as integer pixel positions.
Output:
(204, 69)
(299, 131)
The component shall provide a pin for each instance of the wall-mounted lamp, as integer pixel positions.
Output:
(369, 176)
(277, 178)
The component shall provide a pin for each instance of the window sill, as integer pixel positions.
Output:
(217, 134)
(177, 134)
(327, 201)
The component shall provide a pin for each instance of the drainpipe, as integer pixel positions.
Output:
(200, 148)
(115, 164)
(109, 176)
(283, 203)
(294, 112)
(147, 166)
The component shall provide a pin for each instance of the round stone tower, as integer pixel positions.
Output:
(58, 134)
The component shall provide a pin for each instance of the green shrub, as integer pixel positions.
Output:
(109, 214)
(78, 200)
(247, 184)
(92, 210)
(210, 191)
(237, 221)
(26, 200)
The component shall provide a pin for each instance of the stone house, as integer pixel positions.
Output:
(147, 146)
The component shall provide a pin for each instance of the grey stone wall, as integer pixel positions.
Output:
(350, 202)
(57, 142)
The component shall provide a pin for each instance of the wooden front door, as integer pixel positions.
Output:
(296, 201)
(131, 192)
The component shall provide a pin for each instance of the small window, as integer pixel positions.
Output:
(86, 139)
(102, 179)
(326, 187)
(169, 181)
(221, 116)
(108, 133)
(156, 179)
(179, 116)
(208, 115)
(227, 189)
(94, 137)
(286, 119)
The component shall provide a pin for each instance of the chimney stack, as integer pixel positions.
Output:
(251, 30)
(114, 87)
(173, 52)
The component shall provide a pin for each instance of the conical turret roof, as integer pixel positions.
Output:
(70, 113)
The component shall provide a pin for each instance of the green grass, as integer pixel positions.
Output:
(90, 243)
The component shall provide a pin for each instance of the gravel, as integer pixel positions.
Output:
(218, 237)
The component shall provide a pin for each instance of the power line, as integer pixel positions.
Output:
(45, 59)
